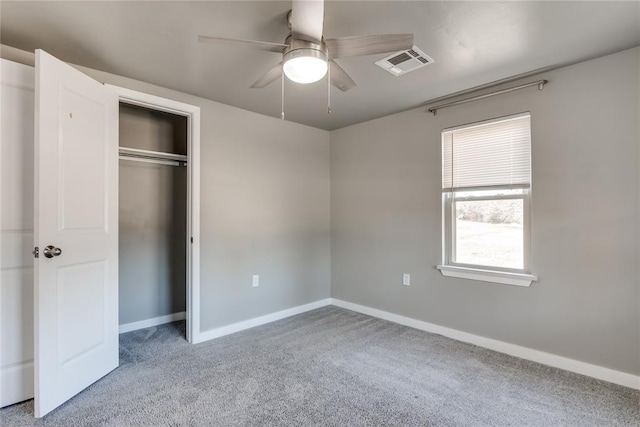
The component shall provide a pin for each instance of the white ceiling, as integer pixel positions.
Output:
(472, 43)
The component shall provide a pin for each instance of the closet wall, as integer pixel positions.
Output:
(153, 215)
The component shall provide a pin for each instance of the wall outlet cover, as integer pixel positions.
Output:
(406, 279)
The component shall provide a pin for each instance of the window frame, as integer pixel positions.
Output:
(486, 273)
(449, 229)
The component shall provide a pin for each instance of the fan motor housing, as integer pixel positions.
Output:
(296, 48)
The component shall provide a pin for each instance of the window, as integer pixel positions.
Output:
(486, 192)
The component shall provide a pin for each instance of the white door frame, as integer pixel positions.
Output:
(192, 113)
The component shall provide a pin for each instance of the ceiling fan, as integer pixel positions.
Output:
(307, 55)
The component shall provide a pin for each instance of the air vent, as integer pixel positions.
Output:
(402, 62)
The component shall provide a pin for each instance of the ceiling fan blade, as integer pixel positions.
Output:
(368, 45)
(307, 20)
(268, 77)
(340, 78)
(250, 44)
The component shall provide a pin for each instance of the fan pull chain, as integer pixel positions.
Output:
(282, 111)
(329, 87)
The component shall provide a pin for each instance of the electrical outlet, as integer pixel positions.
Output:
(256, 280)
(406, 279)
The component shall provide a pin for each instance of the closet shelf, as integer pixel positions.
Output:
(148, 156)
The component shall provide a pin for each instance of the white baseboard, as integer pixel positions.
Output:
(16, 383)
(258, 321)
(598, 372)
(134, 326)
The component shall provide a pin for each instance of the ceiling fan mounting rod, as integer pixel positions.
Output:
(289, 19)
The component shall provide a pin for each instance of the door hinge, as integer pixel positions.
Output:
(36, 252)
(192, 240)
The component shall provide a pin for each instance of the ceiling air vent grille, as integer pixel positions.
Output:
(399, 59)
(402, 62)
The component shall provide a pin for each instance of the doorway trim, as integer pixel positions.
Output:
(192, 113)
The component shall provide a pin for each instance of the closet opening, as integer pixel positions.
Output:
(159, 224)
(152, 242)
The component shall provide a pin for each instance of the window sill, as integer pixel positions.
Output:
(502, 277)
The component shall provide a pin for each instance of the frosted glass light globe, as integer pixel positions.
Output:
(305, 69)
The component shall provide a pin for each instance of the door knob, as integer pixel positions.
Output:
(51, 251)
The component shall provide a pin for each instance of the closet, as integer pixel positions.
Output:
(157, 247)
(152, 217)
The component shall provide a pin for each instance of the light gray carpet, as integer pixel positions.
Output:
(331, 367)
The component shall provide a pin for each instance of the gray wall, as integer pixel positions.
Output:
(386, 218)
(264, 209)
(152, 217)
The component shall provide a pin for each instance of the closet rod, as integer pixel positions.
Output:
(152, 154)
(148, 156)
(150, 160)
(539, 83)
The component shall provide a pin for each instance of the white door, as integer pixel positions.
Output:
(16, 232)
(76, 231)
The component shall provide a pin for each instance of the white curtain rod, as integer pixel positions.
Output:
(539, 83)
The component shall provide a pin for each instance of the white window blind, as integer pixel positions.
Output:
(491, 154)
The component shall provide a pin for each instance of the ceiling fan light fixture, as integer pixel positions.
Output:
(305, 65)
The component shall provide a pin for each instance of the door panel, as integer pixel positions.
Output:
(83, 201)
(81, 293)
(16, 232)
(76, 292)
